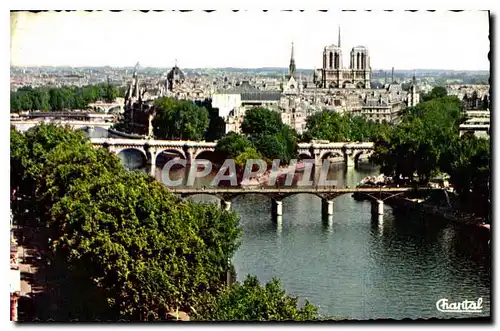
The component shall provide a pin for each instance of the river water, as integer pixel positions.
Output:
(356, 265)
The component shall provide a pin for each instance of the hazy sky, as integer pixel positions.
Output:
(405, 40)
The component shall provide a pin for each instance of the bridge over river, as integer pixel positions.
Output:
(190, 150)
(277, 194)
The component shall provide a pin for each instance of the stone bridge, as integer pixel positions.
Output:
(350, 152)
(189, 150)
(106, 107)
(22, 126)
(277, 194)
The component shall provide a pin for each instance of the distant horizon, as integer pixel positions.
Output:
(249, 68)
(399, 39)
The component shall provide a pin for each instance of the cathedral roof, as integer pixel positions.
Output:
(175, 71)
(261, 96)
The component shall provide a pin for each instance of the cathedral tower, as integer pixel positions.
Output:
(291, 67)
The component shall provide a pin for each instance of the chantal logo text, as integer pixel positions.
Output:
(465, 306)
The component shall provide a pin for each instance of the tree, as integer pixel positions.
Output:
(179, 120)
(332, 126)
(418, 143)
(109, 92)
(249, 153)
(217, 125)
(145, 249)
(250, 301)
(436, 92)
(272, 148)
(467, 161)
(232, 145)
(128, 243)
(149, 251)
(56, 99)
(261, 121)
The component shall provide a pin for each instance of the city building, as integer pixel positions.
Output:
(138, 109)
(477, 122)
(473, 96)
(334, 75)
(332, 88)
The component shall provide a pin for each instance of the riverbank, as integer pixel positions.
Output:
(125, 135)
(429, 208)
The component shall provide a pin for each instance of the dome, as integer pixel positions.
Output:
(175, 74)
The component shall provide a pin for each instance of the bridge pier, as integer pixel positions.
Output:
(277, 207)
(318, 162)
(326, 207)
(378, 207)
(349, 159)
(152, 163)
(226, 205)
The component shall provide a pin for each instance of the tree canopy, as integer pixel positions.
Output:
(271, 138)
(57, 99)
(427, 142)
(131, 248)
(332, 126)
(179, 120)
(250, 301)
(233, 144)
(416, 144)
(435, 93)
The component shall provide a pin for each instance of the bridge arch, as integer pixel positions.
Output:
(204, 152)
(359, 153)
(132, 158)
(286, 196)
(175, 150)
(330, 153)
(305, 155)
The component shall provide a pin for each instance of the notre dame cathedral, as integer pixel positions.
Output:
(334, 75)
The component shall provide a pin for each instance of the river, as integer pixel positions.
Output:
(355, 265)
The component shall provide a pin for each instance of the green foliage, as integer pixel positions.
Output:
(271, 138)
(416, 145)
(332, 126)
(272, 147)
(261, 121)
(217, 125)
(467, 160)
(252, 302)
(148, 250)
(132, 249)
(436, 93)
(249, 153)
(144, 249)
(57, 99)
(232, 145)
(179, 120)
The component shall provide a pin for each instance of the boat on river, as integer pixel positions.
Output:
(379, 180)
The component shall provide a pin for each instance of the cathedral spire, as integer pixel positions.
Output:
(414, 79)
(291, 68)
(339, 37)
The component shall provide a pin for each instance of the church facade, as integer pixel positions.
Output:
(333, 74)
(332, 88)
